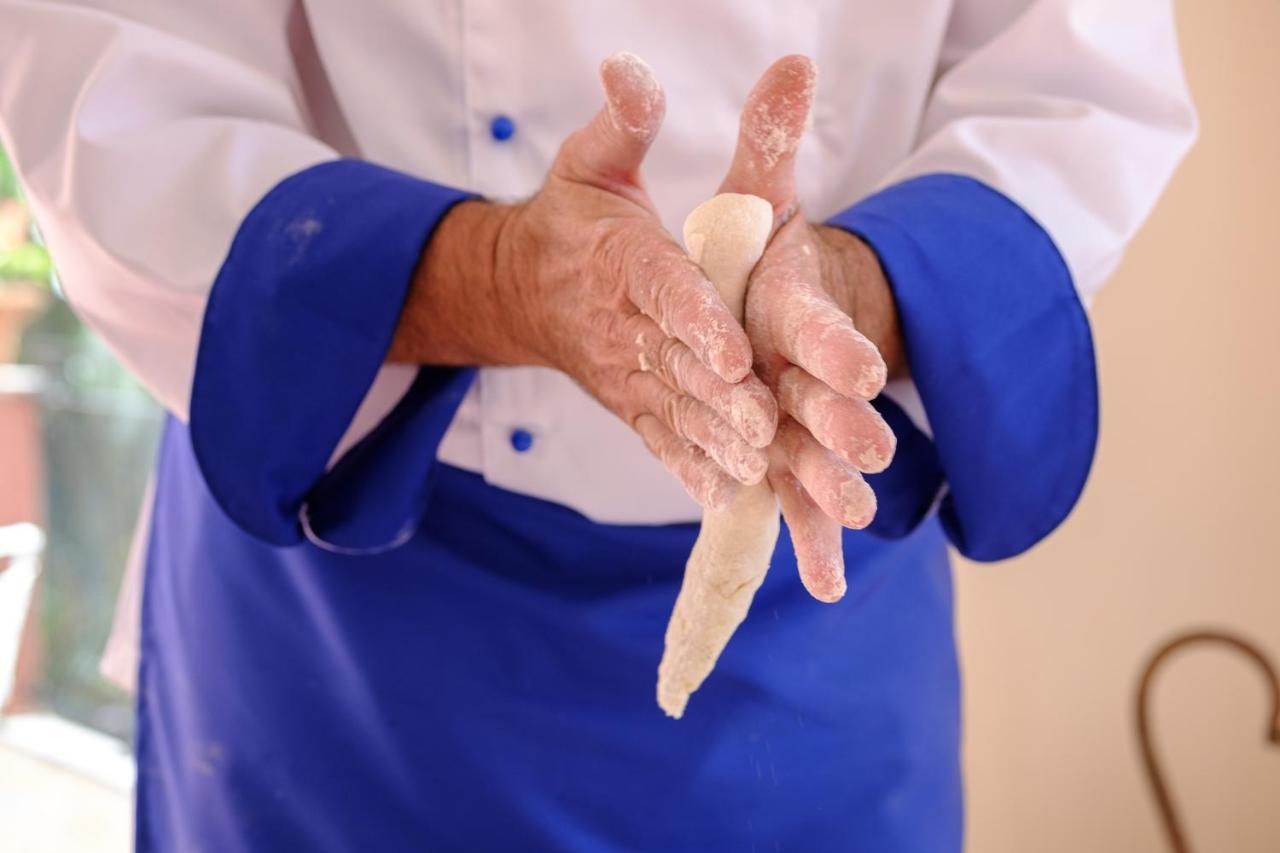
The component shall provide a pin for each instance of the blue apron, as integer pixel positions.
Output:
(489, 685)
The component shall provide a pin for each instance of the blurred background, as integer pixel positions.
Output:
(77, 437)
(1175, 528)
(1173, 531)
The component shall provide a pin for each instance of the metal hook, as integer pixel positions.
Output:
(1155, 775)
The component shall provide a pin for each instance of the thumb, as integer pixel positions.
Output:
(608, 151)
(773, 119)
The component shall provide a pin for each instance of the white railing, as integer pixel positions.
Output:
(20, 546)
(88, 753)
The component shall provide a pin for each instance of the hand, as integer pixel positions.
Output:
(583, 278)
(822, 370)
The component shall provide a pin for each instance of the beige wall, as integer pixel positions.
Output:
(1178, 526)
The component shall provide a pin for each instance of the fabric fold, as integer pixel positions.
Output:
(1001, 352)
(298, 323)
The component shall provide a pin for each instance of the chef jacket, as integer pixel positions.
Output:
(236, 196)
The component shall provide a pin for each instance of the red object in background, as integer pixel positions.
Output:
(21, 496)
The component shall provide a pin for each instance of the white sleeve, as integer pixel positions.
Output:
(1050, 131)
(144, 132)
(1077, 110)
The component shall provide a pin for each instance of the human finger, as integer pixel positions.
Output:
(847, 425)
(835, 485)
(696, 422)
(815, 538)
(747, 406)
(774, 117)
(704, 480)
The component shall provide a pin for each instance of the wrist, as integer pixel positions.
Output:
(516, 262)
(853, 277)
(457, 311)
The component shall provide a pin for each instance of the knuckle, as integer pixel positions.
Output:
(675, 412)
(661, 298)
(635, 387)
(672, 277)
(637, 423)
(790, 387)
(634, 417)
(670, 359)
(608, 326)
(771, 283)
(640, 342)
(812, 318)
(789, 439)
(609, 251)
(635, 329)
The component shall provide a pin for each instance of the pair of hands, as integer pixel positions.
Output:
(584, 278)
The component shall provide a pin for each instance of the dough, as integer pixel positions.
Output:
(725, 236)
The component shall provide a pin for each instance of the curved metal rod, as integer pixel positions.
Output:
(1155, 774)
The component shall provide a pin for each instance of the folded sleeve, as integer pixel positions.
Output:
(248, 276)
(1050, 132)
(297, 326)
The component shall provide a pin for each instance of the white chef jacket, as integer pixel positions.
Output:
(145, 133)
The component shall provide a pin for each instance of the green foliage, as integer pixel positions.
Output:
(98, 433)
(30, 261)
(8, 178)
(27, 262)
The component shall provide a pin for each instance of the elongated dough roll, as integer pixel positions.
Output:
(725, 236)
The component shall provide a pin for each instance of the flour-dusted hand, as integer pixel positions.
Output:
(801, 320)
(588, 281)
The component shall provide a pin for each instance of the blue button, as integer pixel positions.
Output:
(502, 128)
(521, 440)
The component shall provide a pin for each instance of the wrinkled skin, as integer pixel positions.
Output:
(807, 350)
(625, 312)
(582, 277)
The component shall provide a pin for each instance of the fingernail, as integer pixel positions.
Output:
(871, 379)
(858, 503)
(748, 465)
(829, 587)
(878, 455)
(729, 367)
(754, 421)
(633, 95)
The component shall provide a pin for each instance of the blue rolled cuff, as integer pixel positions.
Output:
(298, 323)
(1000, 349)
